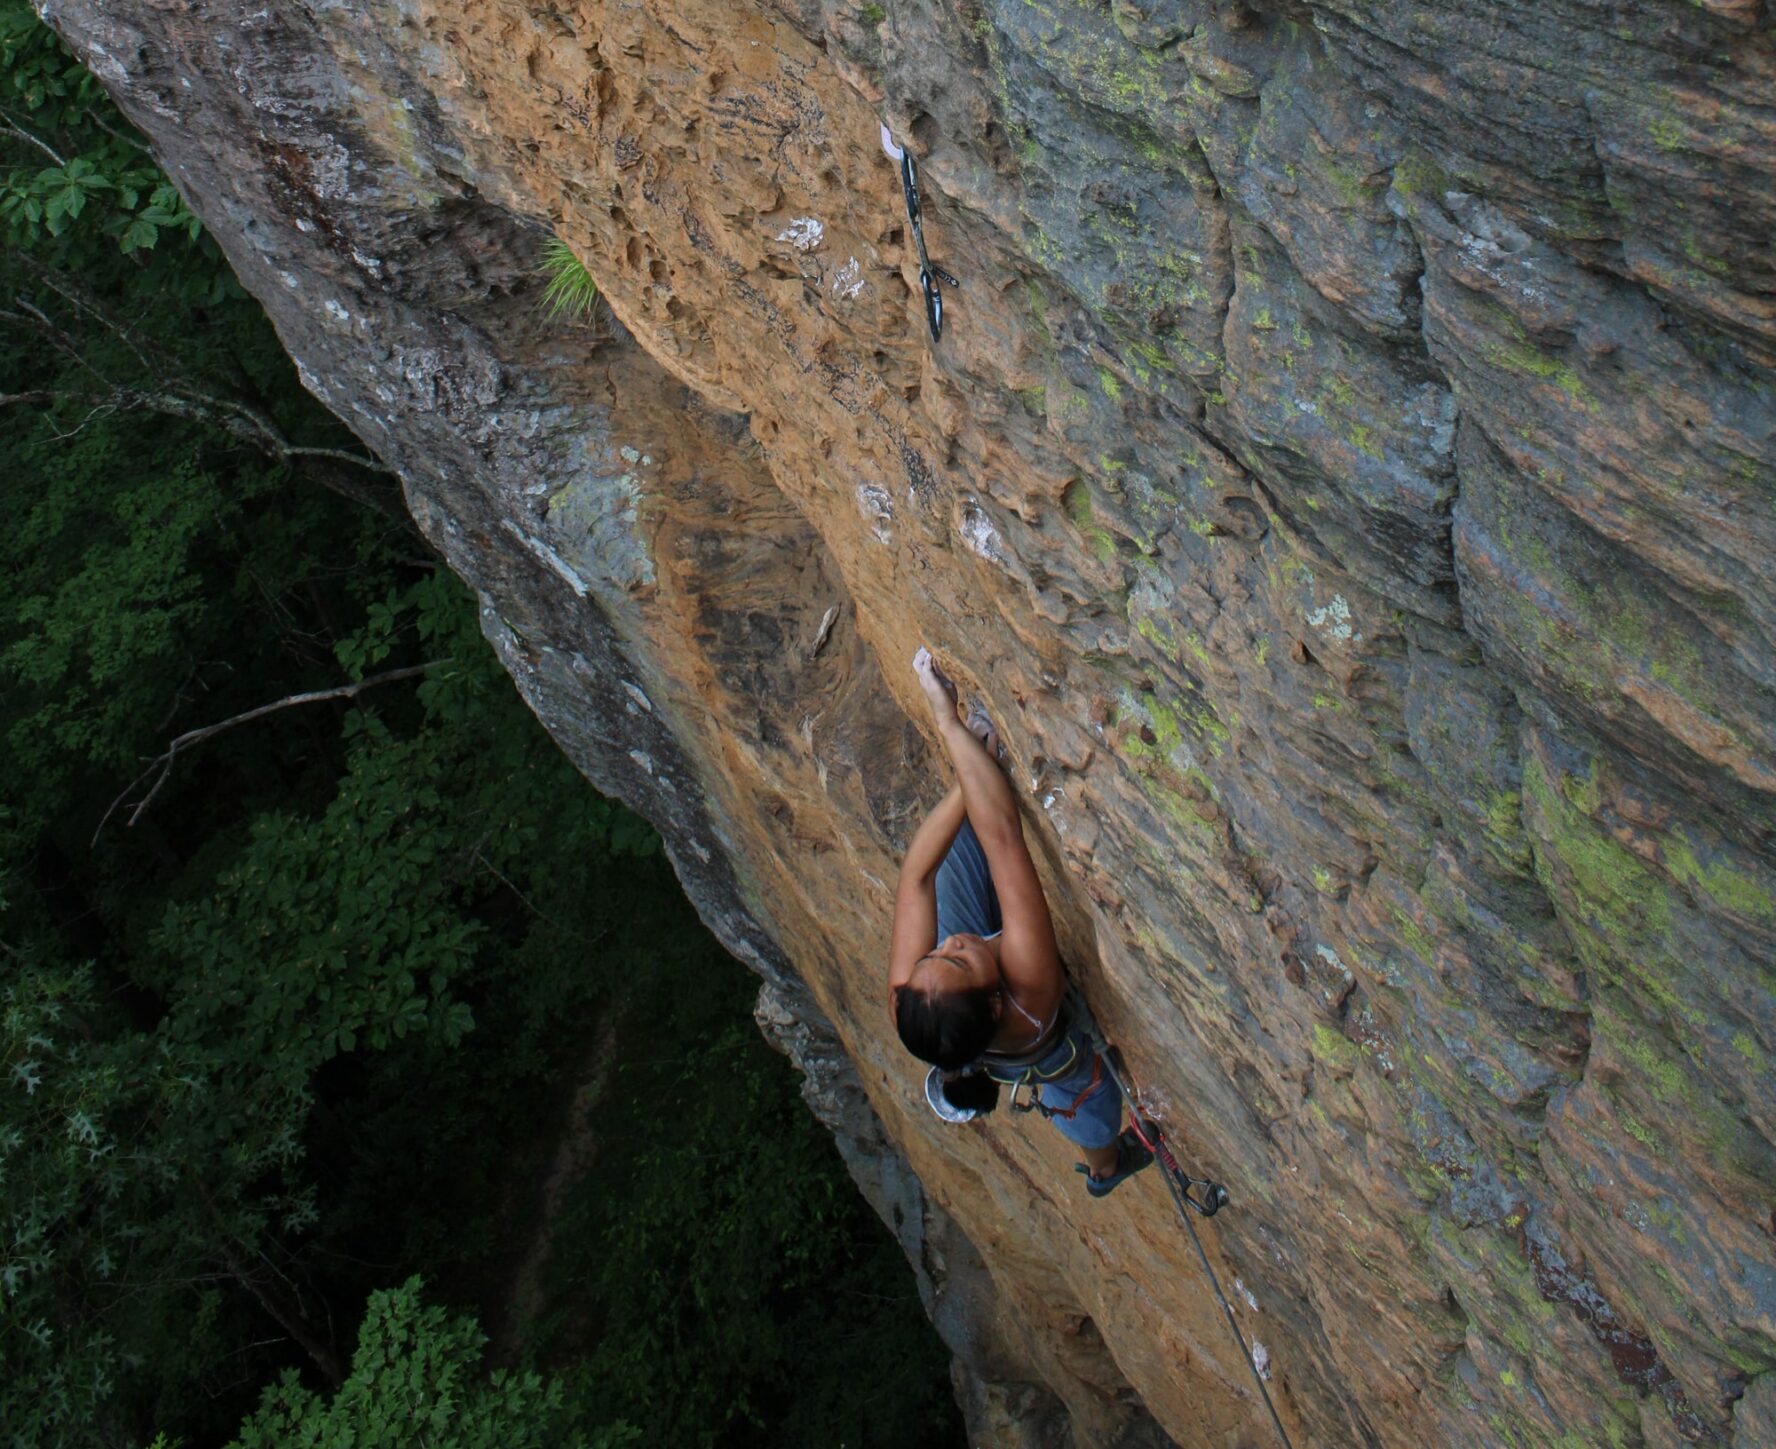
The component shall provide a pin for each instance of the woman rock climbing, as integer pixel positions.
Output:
(975, 981)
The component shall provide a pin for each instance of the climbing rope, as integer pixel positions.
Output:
(1179, 1183)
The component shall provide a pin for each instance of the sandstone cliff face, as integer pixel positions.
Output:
(1348, 473)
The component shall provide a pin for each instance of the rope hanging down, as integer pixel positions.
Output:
(1179, 1183)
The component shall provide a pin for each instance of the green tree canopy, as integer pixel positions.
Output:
(307, 931)
(416, 1378)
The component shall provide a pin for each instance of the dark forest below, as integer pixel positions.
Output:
(365, 1074)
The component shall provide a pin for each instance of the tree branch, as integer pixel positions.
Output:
(64, 342)
(117, 135)
(541, 915)
(338, 455)
(37, 141)
(238, 420)
(322, 466)
(164, 761)
(287, 1315)
(177, 395)
(81, 298)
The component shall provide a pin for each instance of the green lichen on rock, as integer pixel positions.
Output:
(1617, 911)
(1515, 352)
(1622, 907)
(1078, 502)
(1334, 1049)
(1738, 888)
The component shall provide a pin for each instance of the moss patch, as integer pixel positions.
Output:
(1335, 1049)
(1719, 879)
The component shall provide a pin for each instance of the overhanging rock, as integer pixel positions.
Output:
(1348, 475)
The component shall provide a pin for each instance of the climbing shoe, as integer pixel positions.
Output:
(1131, 1157)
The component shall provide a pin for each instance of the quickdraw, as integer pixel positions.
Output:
(930, 274)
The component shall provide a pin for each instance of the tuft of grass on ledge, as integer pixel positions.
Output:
(572, 292)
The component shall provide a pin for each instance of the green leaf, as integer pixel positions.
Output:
(139, 235)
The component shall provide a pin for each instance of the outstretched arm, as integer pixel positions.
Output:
(915, 898)
(1028, 957)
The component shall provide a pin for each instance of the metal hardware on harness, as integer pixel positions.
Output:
(1178, 1183)
(1036, 1104)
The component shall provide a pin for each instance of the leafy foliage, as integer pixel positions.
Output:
(98, 174)
(743, 1294)
(415, 1380)
(110, 550)
(58, 1147)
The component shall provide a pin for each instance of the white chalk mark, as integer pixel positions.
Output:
(804, 233)
(824, 632)
(848, 280)
(1333, 619)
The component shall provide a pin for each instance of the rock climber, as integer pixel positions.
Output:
(975, 981)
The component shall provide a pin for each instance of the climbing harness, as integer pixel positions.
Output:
(928, 274)
(1033, 1079)
(1179, 1183)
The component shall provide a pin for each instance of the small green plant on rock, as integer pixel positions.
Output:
(572, 291)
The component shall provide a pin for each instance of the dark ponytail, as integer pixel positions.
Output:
(973, 1091)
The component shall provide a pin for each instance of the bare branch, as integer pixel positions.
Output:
(163, 762)
(80, 297)
(334, 469)
(37, 141)
(116, 135)
(339, 455)
(237, 419)
(40, 321)
(8, 398)
(288, 1316)
(101, 410)
(241, 419)
(177, 395)
(530, 906)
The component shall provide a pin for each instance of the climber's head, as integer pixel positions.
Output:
(948, 1011)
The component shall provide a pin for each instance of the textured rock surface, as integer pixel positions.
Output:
(1349, 474)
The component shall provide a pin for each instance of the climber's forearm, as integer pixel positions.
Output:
(931, 842)
(986, 793)
(915, 897)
